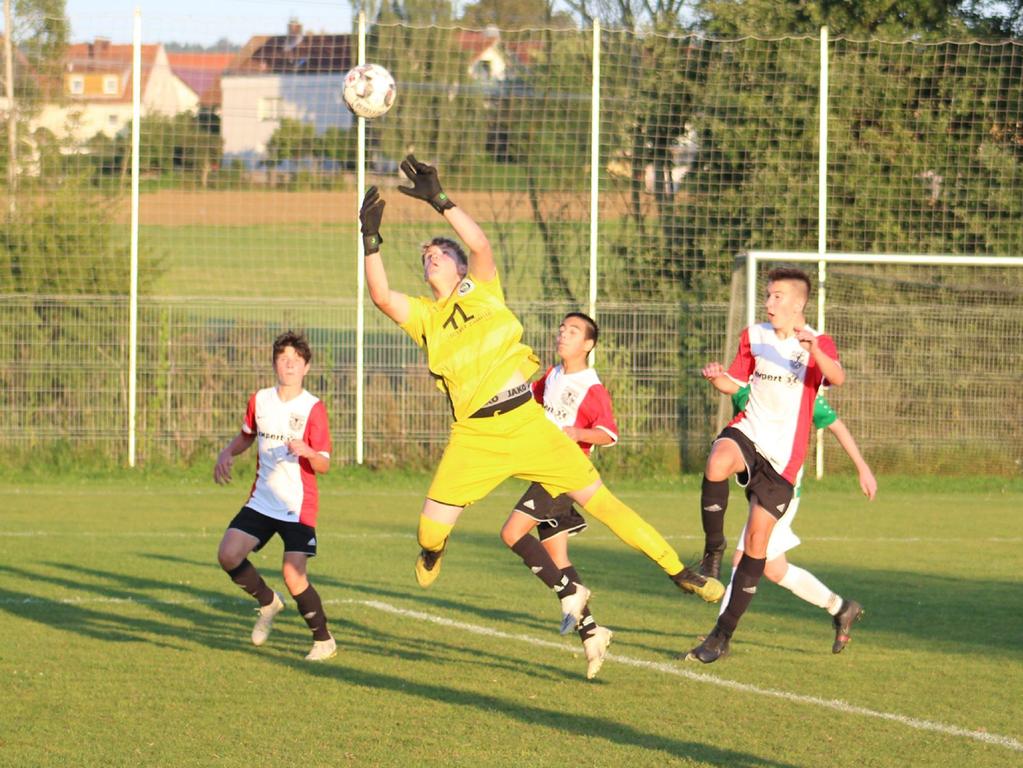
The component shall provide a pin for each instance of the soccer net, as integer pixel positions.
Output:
(931, 348)
(248, 199)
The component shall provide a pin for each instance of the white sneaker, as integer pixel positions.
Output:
(572, 608)
(322, 650)
(596, 649)
(265, 622)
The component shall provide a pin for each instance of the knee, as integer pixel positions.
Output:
(228, 560)
(775, 570)
(509, 536)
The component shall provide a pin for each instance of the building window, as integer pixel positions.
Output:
(76, 85)
(113, 120)
(110, 85)
(269, 108)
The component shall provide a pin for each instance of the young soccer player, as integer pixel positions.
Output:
(576, 401)
(474, 349)
(785, 363)
(778, 569)
(294, 446)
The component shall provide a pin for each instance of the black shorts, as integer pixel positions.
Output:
(553, 515)
(772, 491)
(297, 537)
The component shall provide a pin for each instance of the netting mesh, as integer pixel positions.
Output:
(707, 148)
(932, 354)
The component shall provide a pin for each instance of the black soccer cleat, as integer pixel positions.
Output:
(849, 614)
(713, 647)
(710, 589)
(710, 565)
(428, 565)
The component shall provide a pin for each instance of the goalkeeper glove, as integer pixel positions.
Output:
(425, 184)
(370, 214)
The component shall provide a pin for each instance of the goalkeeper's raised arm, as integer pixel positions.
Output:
(426, 186)
(392, 303)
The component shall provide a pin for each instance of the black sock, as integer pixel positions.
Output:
(539, 562)
(588, 623)
(744, 586)
(247, 577)
(311, 608)
(713, 503)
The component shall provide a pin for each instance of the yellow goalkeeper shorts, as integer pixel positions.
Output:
(484, 452)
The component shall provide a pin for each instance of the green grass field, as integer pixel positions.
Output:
(125, 645)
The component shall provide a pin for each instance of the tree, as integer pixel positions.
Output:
(514, 14)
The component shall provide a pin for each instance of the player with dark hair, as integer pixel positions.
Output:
(474, 349)
(785, 363)
(799, 581)
(576, 401)
(294, 446)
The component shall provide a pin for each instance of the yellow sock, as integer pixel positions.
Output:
(432, 534)
(633, 529)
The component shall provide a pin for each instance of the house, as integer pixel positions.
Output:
(296, 75)
(493, 60)
(95, 90)
(201, 71)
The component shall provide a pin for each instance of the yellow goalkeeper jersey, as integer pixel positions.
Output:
(472, 341)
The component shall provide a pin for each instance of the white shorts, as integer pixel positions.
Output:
(783, 538)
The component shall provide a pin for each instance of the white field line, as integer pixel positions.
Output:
(217, 532)
(660, 667)
(672, 669)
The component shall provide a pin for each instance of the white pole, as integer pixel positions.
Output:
(360, 270)
(822, 215)
(12, 116)
(751, 288)
(133, 311)
(594, 167)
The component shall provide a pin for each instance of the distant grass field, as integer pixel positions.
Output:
(125, 645)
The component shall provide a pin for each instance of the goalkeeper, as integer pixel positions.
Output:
(474, 349)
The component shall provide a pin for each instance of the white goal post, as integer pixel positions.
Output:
(755, 258)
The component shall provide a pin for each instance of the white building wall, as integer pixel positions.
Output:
(252, 107)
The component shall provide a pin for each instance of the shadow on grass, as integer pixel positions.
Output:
(569, 722)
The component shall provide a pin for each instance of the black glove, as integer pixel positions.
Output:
(425, 184)
(370, 214)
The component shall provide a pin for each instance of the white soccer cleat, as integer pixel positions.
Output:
(322, 650)
(572, 608)
(265, 622)
(596, 650)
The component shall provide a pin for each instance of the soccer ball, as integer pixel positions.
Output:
(369, 90)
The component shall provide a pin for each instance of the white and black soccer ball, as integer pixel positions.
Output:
(369, 90)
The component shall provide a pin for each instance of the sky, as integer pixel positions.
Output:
(203, 21)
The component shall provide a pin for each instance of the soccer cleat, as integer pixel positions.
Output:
(843, 621)
(713, 647)
(428, 565)
(265, 622)
(596, 650)
(710, 589)
(322, 650)
(572, 608)
(710, 565)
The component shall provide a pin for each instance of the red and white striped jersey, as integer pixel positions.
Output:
(285, 485)
(784, 381)
(576, 400)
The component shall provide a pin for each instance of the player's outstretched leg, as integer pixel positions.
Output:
(850, 613)
(713, 504)
(248, 578)
(433, 539)
(595, 638)
(744, 585)
(639, 534)
(572, 594)
(311, 607)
